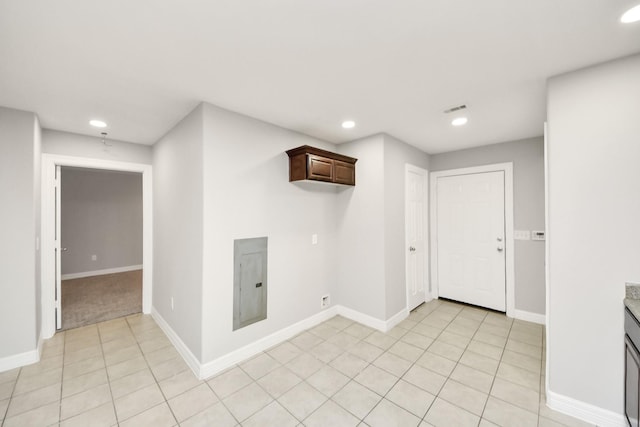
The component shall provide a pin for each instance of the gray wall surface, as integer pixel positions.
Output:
(371, 227)
(247, 193)
(19, 147)
(528, 199)
(72, 144)
(101, 214)
(177, 229)
(37, 202)
(594, 231)
(360, 213)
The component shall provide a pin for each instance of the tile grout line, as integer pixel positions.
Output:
(496, 374)
(106, 371)
(157, 384)
(437, 395)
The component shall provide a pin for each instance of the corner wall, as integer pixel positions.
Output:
(177, 229)
(19, 187)
(360, 266)
(594, 231)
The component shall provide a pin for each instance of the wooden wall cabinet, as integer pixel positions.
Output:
(315, 164)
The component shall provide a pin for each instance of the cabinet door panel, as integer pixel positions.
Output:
(632, 379)
(320, 168)
(345, 173)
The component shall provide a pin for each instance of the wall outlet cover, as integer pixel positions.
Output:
(325, 301)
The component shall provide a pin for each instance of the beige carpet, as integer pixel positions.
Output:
(98, 298)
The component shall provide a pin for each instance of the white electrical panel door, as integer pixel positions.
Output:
(470, 239)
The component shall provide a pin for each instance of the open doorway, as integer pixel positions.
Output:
(101, 245)
(51, 302)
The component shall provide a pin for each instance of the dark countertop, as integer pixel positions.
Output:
(632, 301)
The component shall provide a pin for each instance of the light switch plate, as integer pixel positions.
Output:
(314, 239)
(521, 235)
(537, 235)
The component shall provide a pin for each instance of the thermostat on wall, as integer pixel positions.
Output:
(537, 235)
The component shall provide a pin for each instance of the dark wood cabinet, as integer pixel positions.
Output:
(631, 369)
(315, 164)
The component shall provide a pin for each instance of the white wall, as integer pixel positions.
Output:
(177, 229)
(101, 214)
(19, 146)
(37, 202)
(527, 157)
(360, 278)
(594, 212)
(371, 229)
(72, 144)
(396, 155)
(247, 193)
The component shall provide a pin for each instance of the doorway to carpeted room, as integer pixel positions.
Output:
(94, 299)
(101, 222)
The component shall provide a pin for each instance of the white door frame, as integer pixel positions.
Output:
(409, 167)
(49, 163)
(507, 168)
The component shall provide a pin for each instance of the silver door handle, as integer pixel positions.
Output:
(63, 249)
(412, 249)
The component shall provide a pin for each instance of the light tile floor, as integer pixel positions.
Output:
(446, 365)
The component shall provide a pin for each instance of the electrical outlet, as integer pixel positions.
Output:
(94, 257)
(171, 303)
(325, 301)
(314, 239)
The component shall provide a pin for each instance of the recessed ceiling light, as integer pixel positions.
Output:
(98, 123)
(459, 121)
(631, 15)
(348, 124)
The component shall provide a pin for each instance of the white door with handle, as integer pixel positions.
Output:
(470, 227)
(416, 180)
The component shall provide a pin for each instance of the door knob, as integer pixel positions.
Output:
(63, 249)
(500, 249)
(499, 239)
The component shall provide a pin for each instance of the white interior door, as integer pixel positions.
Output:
(416, 238)
(58, 250)
(471, 238)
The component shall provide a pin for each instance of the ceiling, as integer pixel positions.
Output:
(392, 66)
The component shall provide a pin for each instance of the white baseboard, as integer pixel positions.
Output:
(206, 370)
(372, 322)
(362, 318)
(228, 360)
(101, 272)
(19, 360)
(585, 411)
(393, 321)
(529, 316)
(190, 359)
